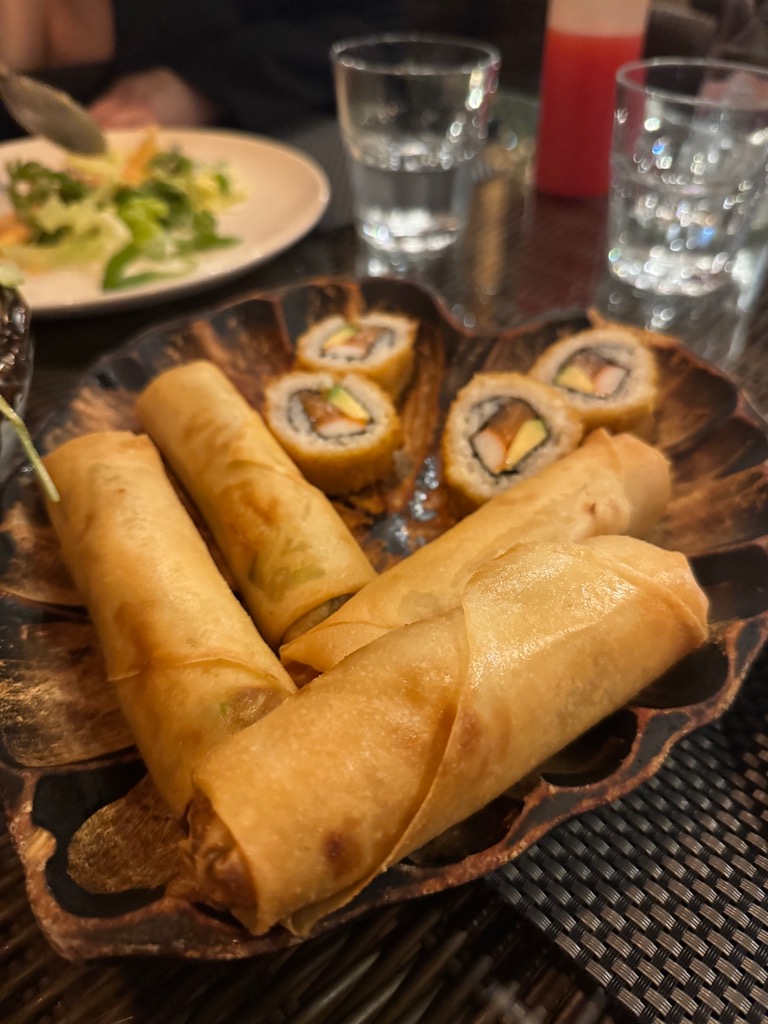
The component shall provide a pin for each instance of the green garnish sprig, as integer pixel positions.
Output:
(20, 427)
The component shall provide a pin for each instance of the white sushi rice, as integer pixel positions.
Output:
(621, 347)
(389, 363)
(475, 405)
(346, 461)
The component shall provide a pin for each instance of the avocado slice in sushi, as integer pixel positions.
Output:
(345, 403)
(508, 436)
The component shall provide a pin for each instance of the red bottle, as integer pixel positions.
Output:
(586, 42)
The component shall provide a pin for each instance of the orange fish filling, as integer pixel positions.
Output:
(592, 374)
(511, 433)
(333, 413)
(355, 341)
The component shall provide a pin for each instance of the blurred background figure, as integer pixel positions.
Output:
(256, 65)
(263, 66)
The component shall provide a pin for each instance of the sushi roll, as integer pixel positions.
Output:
(380, 346)
(607, 375)
(500, 429)
(342, 432)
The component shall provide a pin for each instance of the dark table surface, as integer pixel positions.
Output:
(518, 947)
(523, 255)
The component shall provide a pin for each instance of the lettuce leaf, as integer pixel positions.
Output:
(137, 232)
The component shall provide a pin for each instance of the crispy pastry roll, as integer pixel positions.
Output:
(289, 551)
(611, 484)
(186, 661)
(379, 346)
(342, 432)
(607, 375)
(502, 428)
(424, 726)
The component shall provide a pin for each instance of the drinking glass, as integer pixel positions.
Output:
(689, 165)
(413, 111)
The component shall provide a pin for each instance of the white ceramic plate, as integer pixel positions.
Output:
(287, 193)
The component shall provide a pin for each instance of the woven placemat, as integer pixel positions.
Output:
(457, 957)
(661, 897)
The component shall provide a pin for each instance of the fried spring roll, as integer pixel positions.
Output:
(289, 551)
(611, 484)
(424, 726)
(185, 658)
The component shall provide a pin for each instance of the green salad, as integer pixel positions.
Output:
(139, 218)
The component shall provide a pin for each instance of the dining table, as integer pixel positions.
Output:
(652, 907)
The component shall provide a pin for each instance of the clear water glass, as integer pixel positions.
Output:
(689, 165)
(414, 113)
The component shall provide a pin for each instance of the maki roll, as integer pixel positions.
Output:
(380, 346)
(500, 429)
(607, 375)
(342, 432)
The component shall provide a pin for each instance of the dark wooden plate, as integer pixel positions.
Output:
(97, 846)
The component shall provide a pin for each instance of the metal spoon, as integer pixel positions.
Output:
(42, 110)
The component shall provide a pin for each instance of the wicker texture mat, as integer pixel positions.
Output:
(661, 897)
(462, 957)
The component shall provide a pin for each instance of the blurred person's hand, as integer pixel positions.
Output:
(158, 96)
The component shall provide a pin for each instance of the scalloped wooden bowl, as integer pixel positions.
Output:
(97, 846)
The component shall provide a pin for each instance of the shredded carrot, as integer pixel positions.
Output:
(12, 230)
(135, 166)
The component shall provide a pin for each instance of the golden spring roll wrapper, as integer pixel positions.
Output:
(424, 726)
(288, 549)
(611, 484)
(187, 662)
